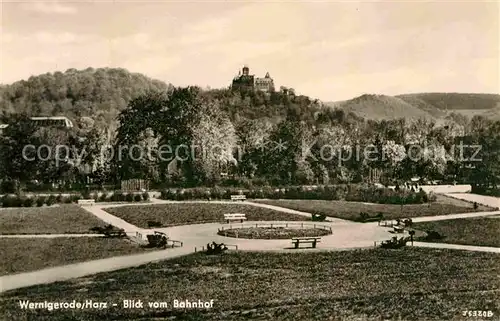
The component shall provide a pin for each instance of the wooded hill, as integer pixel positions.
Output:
(427, 105)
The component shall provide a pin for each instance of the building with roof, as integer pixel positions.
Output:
(55, 121)
(244, 80)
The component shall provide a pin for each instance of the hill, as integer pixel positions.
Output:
(434, 105)
(100, 93)
(379, 107)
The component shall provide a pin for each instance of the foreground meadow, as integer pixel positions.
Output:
(351, 210)
(376, 284)
(30, 254)
(193, 213)
(61, 219)
(479, 231)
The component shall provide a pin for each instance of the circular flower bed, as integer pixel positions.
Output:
(275, 233)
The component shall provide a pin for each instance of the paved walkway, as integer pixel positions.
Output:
(458, 247)
(98, 211)
(452, 216)
(480, 199)
(346, 235)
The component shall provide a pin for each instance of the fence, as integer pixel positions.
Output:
(277, 225)
(134, 185)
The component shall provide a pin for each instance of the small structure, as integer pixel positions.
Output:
(296, 241)
(86, 202)
(238, 197)
(134, 185)
(235, 217)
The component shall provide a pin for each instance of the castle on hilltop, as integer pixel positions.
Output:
(246, 81)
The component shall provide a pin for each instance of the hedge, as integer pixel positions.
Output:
(39, 201)
(351, 192)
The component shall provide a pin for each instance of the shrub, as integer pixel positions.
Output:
(28, 202)
(137, 197)
(40, 201)
(129, 197)
(50, 200)
(86, 195)
(11, 201)
(145, 196)
(59, 198)
(102, 198)
(8, 186)
(66, 200)
(75, 198)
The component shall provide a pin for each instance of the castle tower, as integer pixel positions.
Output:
(267, 75)
(246, 70)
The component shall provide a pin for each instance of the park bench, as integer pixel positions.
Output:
(234, 217)
(238, 197)
(304, 240)
(86, 202)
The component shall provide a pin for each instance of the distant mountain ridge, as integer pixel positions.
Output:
(421, 105)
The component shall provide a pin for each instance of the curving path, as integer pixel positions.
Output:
(346, 235)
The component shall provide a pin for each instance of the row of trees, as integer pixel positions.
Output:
(191, 137)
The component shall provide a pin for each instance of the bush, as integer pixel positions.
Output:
(28, 202)
(102, 198)
(40, 201)
(75, 198)
(66, 200)
(145, 196)
(348, 192)
(9, 186)
(129, 197)
(118, 197)
(12, 201)
(51, 200)
(137, 197)
(86, 195)
(59, 198)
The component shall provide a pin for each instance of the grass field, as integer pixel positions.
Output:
(351, 210)
(355, 285)
(23, 255)
(479, 231)
(192, 213)
(47, 220)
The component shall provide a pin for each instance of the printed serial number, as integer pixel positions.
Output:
(478, 313)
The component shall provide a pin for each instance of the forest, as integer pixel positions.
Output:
(239, 138)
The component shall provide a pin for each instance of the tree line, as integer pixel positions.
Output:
(248, 139)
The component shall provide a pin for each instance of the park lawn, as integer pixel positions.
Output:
(372, 284)
(478, 231)
(61, 219)
(351, 210)
(30, 254)
(192, 213)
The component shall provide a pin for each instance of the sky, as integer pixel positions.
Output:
(330, 50)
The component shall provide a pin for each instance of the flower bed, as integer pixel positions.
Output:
(273, 233)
